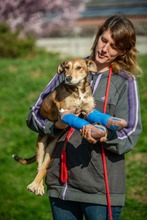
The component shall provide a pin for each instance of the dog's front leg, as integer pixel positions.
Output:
(37, 185)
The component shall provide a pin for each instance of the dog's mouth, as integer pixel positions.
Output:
(72, 83)
(68, 79)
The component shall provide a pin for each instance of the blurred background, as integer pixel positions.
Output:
(78, 36)
(35, 35)
(69, 26)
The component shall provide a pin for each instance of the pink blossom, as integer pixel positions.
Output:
(39, 17)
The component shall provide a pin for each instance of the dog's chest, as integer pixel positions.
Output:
(74, 101)
(81, 96)
(78, 100)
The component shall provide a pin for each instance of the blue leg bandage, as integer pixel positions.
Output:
(74, 121)
(97, 116)
(93, 117)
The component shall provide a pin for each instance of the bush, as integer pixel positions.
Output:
(11, 46)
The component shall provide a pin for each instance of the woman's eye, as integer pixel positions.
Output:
(104, 40)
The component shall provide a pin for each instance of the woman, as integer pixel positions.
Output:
(84, 192)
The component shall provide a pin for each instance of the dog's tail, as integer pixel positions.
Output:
(24, 160)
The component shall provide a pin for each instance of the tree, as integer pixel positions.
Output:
(39, 17)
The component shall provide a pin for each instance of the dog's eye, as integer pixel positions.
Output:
(78, 68)
(67, 67)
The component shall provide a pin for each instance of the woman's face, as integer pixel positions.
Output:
(106, 51)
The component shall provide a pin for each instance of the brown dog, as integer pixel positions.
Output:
(74, 94)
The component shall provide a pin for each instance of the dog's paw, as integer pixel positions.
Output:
(31, 187)
(38, 189)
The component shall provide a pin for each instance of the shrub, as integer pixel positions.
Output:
(11, 46)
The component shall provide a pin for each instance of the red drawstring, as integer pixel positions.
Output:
(63, 172)
(103, 151)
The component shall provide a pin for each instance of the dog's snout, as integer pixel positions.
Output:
(69, 78)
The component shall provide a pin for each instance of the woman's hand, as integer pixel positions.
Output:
(93, 134)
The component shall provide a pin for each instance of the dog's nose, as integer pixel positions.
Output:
(69, 78)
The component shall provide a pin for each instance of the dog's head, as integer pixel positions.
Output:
(76, 70)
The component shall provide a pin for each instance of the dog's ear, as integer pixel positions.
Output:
(91, 66)
(61, 67)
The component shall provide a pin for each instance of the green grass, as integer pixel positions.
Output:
(21, 81)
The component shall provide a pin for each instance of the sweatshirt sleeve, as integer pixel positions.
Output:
(34, 120)
(128, 107)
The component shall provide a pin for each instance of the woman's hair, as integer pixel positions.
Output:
(124, 36)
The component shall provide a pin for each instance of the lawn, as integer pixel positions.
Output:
(21, 81)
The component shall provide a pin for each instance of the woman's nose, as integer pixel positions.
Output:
(105, 47)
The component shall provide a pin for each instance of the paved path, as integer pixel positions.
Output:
(79, 47)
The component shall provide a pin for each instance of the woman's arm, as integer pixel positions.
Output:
(128, 107)
(34, 120)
